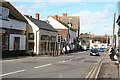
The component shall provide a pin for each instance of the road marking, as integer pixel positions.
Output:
(98, 70)
(7, 61)
(90, 72)
(43, 66)
(93, 73)
(12, 73)
(63, 61)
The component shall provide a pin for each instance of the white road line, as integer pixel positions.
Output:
(43, 66)
(63, 61)
(70, 59)
(12, 73)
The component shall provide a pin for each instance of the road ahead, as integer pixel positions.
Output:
(76, 65)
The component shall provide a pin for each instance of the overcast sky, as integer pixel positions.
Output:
(95, 17)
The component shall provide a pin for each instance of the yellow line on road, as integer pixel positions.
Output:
(93, 73)
(90, 72)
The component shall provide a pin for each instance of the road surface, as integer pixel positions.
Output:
(76, 65)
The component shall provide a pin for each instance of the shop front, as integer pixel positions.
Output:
(13, 42)
(48, 45)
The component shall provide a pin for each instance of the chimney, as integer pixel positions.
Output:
(37, 16)
(64, 14)
(56, 17)
(48, 16)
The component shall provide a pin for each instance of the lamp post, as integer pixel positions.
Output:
(70, 25)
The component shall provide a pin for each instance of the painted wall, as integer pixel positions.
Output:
(18, 25)
(22, 41)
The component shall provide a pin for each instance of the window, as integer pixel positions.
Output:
(31, 46)
(5, 13)
(31, 36)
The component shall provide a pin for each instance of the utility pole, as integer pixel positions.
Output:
(114, 29)
(78, 34)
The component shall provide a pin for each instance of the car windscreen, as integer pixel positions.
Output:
(94, 50)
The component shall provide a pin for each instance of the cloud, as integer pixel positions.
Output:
(24, 9)
(109, 6)
(63, 0)
(90, 20)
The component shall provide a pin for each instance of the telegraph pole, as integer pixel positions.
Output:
(78, 34)
(114, 29)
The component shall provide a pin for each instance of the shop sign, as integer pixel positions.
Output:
(31, 36)
(45, 37)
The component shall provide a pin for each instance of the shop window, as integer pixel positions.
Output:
(31, 36)
(31, 46)
(43, 48)
(5, 42)
(52, 46)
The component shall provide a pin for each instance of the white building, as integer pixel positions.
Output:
(63, 30)
(97, 45)
(13, 26)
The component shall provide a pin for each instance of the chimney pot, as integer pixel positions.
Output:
(37, 16)
(64, 14)
(56, 17)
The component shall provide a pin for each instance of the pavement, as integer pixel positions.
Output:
(109, 69)
(76, 65)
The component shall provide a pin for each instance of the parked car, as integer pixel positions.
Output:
(101, 50)
(94, 52)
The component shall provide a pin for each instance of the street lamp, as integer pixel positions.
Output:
(70, 25)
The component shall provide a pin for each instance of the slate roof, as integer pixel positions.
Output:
(42, 24)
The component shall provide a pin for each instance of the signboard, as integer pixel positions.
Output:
(45, 37)
(31, 36)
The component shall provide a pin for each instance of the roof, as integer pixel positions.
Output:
(13, 11)
(56, 24)
(67, 25)
(118, 20)
(42, 24)
(75, 21)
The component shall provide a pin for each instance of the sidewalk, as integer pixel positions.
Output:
(109, 69)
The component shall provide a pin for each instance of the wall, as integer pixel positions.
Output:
(22, 41)
(18, 25)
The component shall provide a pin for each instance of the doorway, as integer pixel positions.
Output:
(17, 43)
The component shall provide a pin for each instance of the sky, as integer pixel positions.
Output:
(95, 17)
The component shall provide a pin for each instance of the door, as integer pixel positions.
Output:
(17, 43)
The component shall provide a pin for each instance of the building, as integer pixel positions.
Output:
(13, 28)
(73, 20)
(68, 36)
(41, 36)
(98, 41)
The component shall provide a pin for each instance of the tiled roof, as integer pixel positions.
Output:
(42, 24)
(75, 21)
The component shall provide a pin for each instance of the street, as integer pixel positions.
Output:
(75, 65)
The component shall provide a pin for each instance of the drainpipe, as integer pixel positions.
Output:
(36, 41)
